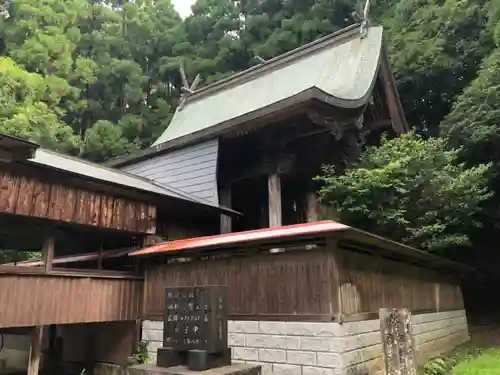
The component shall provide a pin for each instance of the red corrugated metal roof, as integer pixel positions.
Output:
(286, 232)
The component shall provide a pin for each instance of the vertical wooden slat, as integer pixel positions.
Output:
(13, 187)
(66, 300)
(24, 204)
(48, 253)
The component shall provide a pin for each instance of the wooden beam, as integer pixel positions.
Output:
(225, 200)
(283, 163)
(35, 350)
(48, 253)
(274, 197)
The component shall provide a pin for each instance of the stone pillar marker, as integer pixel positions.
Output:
(397, 338)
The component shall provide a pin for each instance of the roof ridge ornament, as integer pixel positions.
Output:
(187, 89)
(259, 60)
(365, 21)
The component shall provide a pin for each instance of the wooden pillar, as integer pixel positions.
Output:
(225, 201)
(312, 213)
(48, 253)
(35, 351)
(275, 212)
(437, 303)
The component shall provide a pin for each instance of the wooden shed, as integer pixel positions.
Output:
(306, 297)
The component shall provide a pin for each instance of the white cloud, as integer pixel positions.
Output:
(183, 7)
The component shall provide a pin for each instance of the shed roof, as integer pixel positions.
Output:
(113, 176)
(339, 69)
(269, 237)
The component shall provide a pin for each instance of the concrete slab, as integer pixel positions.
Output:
(234, 369)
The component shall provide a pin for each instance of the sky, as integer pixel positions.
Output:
(183, 6)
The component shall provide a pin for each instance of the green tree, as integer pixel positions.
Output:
(412, 190)
(28, 107)
(436, 49)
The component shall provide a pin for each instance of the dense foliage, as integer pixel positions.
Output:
(99, 78)
(413, 190)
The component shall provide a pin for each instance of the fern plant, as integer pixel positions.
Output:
(437, 366)
(140, 355)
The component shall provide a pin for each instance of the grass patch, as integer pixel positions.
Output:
(465, 360)
(486, 363)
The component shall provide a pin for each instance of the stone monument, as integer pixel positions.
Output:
(397, 340)
(195, 328)
(195, 336)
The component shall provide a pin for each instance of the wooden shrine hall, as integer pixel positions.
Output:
(255, 140)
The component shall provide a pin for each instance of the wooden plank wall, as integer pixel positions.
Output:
(27, 300)
(32, 196)
(369, 283)
(295, 283)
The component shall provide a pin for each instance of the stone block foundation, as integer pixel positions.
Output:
(299, 348)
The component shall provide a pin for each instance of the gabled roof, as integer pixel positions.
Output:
(270, 237)
(86, 169)
(339, 69)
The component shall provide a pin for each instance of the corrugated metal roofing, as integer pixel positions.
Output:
(241, 238)
(109, 175)
(343, 67)
(273, 236)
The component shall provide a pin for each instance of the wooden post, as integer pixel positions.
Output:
(225, 200)
(397, 339)
(436, 296)
(35, 351)
(48, 254)
(311, 207)
(274, 185)
(274, 203)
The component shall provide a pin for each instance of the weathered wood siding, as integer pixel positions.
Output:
(30, 195)
(308, 285)
(295, 283)
(192, 169)
(369, 283)
(27, 300)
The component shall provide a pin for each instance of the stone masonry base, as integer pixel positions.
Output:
(295, 348)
